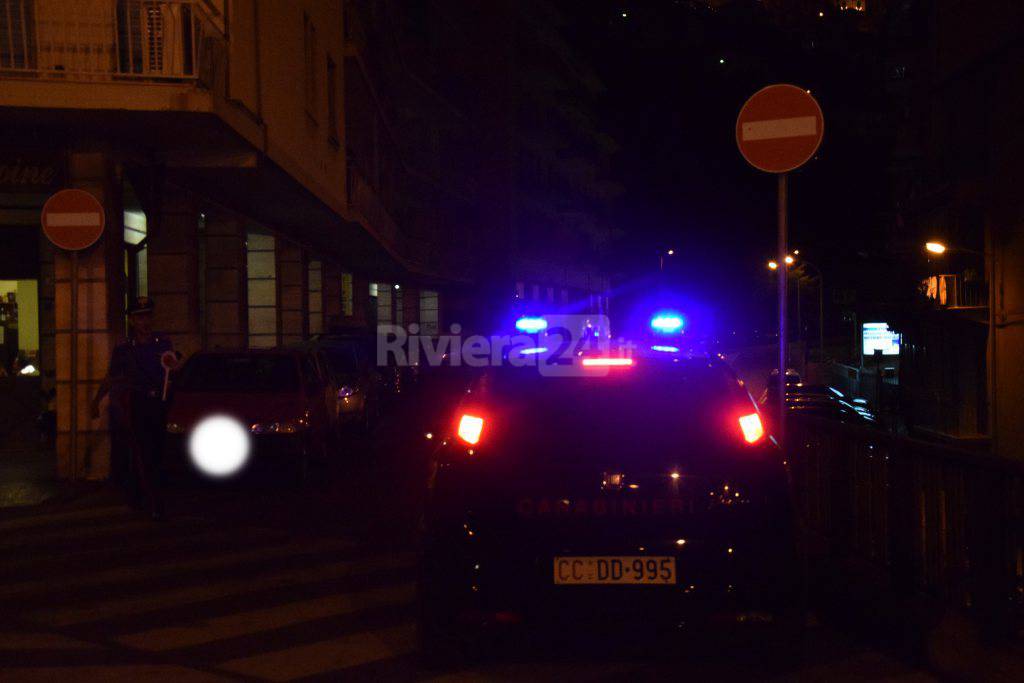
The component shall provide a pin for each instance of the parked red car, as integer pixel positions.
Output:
(280, 399)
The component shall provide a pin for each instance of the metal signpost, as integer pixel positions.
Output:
(779, 129)
(73, 220)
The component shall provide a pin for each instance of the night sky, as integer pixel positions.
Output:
(676, 77)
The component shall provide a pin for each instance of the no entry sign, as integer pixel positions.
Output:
(73, 219)
(779, 128)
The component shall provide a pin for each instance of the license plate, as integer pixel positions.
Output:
(614, 570)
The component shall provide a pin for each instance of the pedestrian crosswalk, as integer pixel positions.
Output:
(98, 594)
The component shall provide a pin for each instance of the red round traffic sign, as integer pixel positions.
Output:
(73, 219)
(779, 128)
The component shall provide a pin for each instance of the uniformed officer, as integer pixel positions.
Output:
(135, 381)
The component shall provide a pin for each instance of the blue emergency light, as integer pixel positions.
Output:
(667, 323)
(531, 325)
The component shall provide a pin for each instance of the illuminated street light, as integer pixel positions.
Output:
(772, 265)
(671, 252)
(935, 247)
(789, 260)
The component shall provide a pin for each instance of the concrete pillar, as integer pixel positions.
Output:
(83, 444)
(173, 262)
(225, 323)
(291, 292)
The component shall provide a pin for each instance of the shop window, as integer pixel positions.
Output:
(315, 296)
(429, 313)
(261, 273)
(347, 295)
(19, 327)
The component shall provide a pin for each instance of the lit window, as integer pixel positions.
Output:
(315, 296)
(261, 272)
(347, 295)
(384, 303)
(429, 312)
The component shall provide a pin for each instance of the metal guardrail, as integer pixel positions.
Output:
(97, 40)
(956, 291)
(923, 519)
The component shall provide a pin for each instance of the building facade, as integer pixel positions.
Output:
(957, 174)
(216, 136)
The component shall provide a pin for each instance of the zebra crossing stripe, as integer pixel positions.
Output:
(111, 674)
(268, 619)
(37, 520)
(327, 656)
(114, 607)
(163, 569)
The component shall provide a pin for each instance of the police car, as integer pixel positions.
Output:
(643, 487)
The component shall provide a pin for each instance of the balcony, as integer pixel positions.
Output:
(955, 292)
(105, 40)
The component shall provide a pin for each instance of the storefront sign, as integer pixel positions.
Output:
(30, 173)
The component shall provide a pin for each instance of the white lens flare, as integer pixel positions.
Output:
(219, 446)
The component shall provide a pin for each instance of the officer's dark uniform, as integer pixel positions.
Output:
(135, 367)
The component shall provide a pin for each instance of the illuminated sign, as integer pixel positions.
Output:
(878, 337)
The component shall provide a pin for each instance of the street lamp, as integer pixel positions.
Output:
(790, 260)
(661, 258)
(935, 247)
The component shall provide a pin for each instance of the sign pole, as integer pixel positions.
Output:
(781, 270)
(73, 220)
(74, 365)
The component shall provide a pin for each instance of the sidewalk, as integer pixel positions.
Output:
(27, 477)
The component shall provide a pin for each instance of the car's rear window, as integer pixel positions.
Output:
(657, 409)
(262, 372)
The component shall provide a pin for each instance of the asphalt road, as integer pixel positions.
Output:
(257, 582)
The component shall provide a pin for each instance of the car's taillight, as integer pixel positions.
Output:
(753, 430)
(470, 428)
(602, 362)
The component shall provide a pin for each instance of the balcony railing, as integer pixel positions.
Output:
(955, 291)
(103, 40)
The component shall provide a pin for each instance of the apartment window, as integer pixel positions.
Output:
(261, 274)
(309, 53)
(551, 295)
(347, 295)
(332, 102)
(536, 293)
(315, 296)
(565, 296)
(429, 318)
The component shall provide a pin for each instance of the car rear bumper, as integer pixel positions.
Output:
(726, 578)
